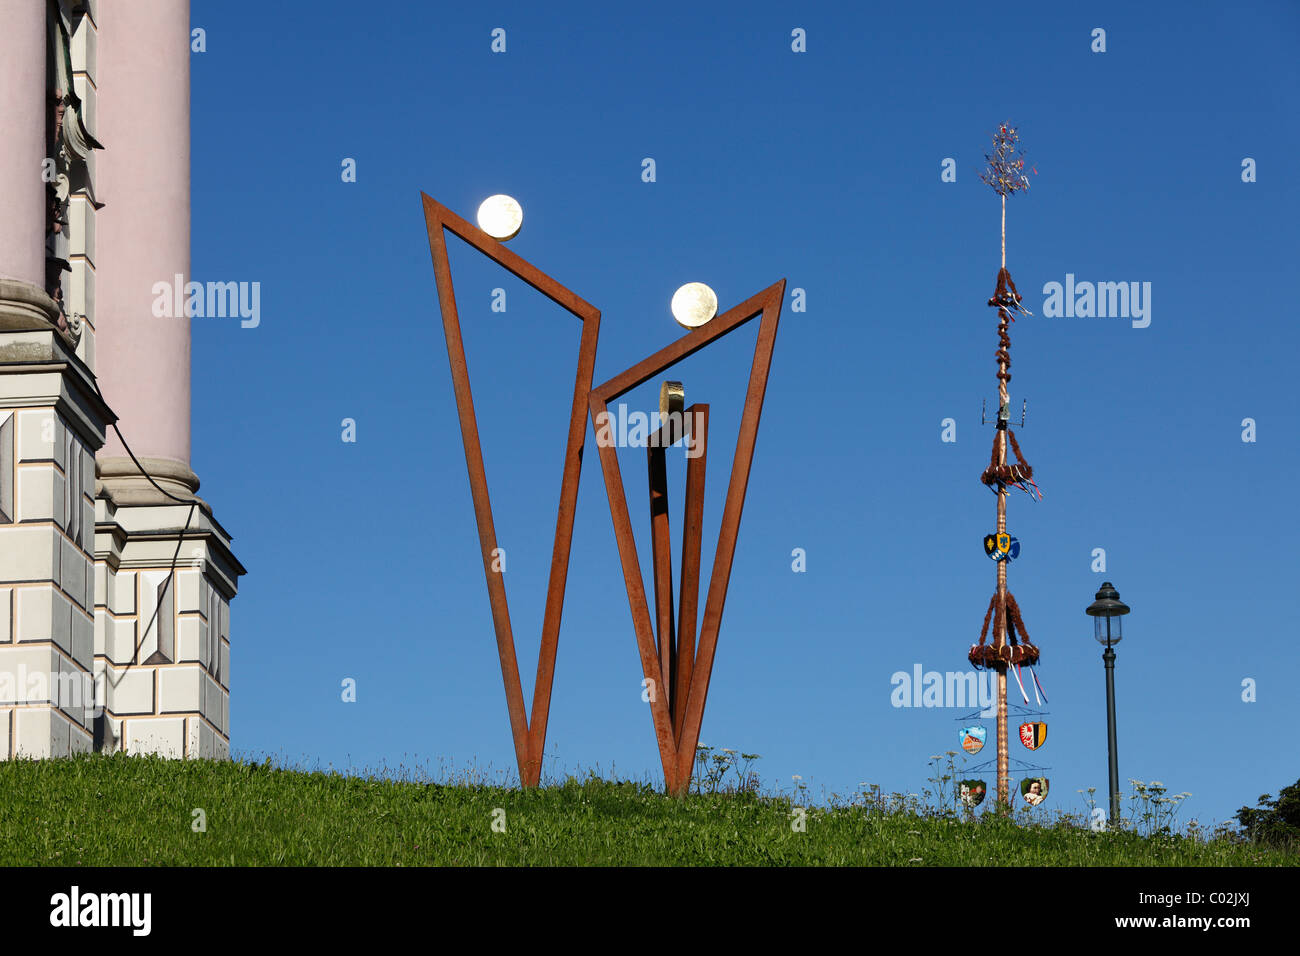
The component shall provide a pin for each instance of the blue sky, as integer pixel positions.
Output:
(822, 168)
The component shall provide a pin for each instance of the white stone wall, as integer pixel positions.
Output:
(47, 600)
(162, 642)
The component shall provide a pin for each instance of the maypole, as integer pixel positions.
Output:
(1011, 647)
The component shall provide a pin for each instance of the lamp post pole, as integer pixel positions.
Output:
(1109, 658)
(1109, 608)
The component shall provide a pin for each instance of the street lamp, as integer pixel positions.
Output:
(1108, 608)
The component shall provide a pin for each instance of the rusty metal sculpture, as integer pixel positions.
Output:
(529, 735)
(676, 666)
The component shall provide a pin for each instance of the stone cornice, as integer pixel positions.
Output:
(136, 537)
(38, 368)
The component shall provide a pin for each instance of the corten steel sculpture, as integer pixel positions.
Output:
(681, 671)
(1010, 646)
(529, 735)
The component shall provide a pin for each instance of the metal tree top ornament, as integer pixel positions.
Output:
(1006, 173)
(1006, 170)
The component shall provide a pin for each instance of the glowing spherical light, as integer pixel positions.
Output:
(500, 217)
(694, 304)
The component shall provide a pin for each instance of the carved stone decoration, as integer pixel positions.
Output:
(70, 146)
(77, 141)
(60, 111)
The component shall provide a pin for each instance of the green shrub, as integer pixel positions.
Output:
(1275, 822)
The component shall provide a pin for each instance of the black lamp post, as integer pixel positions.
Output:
(1107, 608)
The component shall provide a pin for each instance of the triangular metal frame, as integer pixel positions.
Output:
(677, 743)
(529, 735)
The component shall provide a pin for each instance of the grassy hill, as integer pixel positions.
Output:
(130, 811)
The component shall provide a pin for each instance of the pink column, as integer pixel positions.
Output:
(24, 105)
(143, 178)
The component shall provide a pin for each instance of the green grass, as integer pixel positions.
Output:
(129, 811)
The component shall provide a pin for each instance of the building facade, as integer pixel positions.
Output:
(115, 577)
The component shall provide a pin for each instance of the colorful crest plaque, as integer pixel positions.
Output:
(1034, 790)
(972, 792)
(1032, 734)
(1001, 547)
(972, 738)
